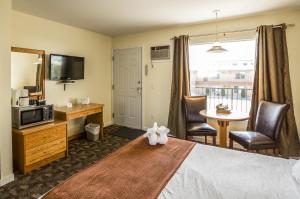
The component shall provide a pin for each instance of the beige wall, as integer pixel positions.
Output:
(5, 121)
(156, 93)
(34, 32)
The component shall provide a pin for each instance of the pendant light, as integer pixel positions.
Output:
(217, 48)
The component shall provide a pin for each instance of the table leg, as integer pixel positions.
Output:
(101, 125)
(223, 133)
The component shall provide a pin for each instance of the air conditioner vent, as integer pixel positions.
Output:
(160, 52)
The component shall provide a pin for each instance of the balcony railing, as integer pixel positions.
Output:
(238, 99)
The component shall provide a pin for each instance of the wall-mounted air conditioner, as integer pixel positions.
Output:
(160, 53)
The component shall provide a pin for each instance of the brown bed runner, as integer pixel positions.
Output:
(136, 170)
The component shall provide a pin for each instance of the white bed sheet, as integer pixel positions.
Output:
(216, 173)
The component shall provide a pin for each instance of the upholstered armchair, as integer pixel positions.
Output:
(267, 129)
(196, 125)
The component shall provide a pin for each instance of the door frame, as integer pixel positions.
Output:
(142, 83)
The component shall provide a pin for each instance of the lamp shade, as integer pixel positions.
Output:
(217, 48)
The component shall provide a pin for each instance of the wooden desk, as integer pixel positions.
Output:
(93, 112)
(223, 121)
(37, 146)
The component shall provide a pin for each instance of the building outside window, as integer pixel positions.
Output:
(240, 75)
(224, 77)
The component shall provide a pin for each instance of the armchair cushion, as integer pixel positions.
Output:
(200, 129)
(252, 140)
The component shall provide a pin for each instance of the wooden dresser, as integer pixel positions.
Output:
(37, 146)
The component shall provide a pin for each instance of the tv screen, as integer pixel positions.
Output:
(63, 67)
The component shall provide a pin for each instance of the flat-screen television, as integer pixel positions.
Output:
(63, 67)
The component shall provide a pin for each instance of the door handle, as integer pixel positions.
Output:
(139, 89)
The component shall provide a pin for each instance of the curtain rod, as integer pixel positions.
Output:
(234, 31)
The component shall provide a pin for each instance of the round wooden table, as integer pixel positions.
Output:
(223, 122)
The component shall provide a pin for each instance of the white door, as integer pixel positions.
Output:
(127, 87)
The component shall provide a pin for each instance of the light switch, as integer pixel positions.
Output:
(146, 69)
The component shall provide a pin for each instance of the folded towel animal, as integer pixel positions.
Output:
(157, 135)
(151, 134)
(162, 135)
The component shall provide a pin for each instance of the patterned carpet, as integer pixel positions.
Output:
(81, 154)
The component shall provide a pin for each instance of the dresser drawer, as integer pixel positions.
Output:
(45, 136)
(45, 151)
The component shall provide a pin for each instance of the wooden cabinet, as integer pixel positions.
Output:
(37, 146)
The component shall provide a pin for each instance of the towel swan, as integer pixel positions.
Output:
(157, 135)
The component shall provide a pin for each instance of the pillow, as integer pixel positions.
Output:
(296, 171)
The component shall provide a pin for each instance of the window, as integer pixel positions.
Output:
(225, 77)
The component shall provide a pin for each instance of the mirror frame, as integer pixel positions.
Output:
(37, 52)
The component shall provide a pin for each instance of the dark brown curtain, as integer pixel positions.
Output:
(180, 86)
(272, 83)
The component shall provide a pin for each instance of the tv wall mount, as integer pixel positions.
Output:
(66, 82)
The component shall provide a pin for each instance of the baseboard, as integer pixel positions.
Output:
(7, 179)
(108, 124)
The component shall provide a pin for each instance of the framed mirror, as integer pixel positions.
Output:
(28, 71)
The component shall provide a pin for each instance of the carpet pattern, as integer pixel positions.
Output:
(82, 153)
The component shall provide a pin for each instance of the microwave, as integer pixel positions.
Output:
(23, 117)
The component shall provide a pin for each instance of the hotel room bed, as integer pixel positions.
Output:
(212, 172)
(205, 172)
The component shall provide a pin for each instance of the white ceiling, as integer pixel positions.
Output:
(116, 17)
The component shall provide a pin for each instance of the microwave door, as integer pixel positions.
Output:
(32, 116)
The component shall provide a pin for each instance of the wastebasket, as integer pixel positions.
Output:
(92, 131)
